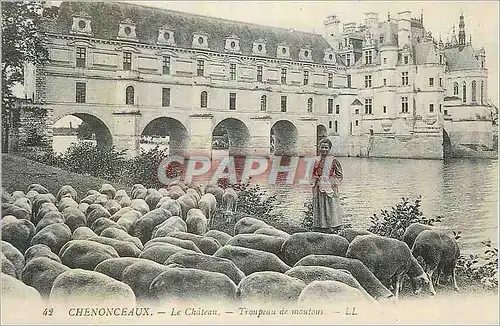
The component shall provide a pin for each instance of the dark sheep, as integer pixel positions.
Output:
(123, 248)
(86, 254)
(440, 252)
(18, 233)
(249, 225)
(302, 244)
(40, 250)
(360, 272)
(74, 218)
(54, 236)
(41, 273)
(220, 236)
(262, 242)
(90, 286)
(114, 267)
(207, 263)
(388, 259)
(250, 260)
(139, 277)
(186, 244)
(188, 284)
(14, 256)
(269, 287)
(412, 231)
(160, 252)
(350, 233)
(207, 245)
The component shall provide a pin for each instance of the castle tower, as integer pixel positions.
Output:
(332, 32)
(461, 31)
(404, 26)
(389, 47)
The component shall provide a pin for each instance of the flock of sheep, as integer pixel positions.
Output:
(158, 245)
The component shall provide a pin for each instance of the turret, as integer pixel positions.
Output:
(461, 31)
(389, 47)
(404, 24)
(332, 32)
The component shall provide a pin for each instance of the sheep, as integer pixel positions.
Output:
(171, 205)
(128, 219)
(143, 227)
(82, 233)
(229, 203)
(139, 277)
(108, 190)
(331, 292)
(54, 236)
(174, 223)
(350, 233)
(249, 225)
(196, 222)
(120, 234)
(175, 192)
(38, 188)
(220, 236)
(388, 259)
(262, 242)
(216, 191)
(269, 287)
(123, 248)
(114, 267)
(112, 206)
(186, 202)
(301, 244)
(18, 233)
(8, 267)
(273, 232)
(74, 218)
(103, 223)
(440, 252)
(15, 292)
(116, 216)
(251, 260)
(193, 193)
(44, 208)
(160, 252)
(66, 191)
(94, 212)
(89, 286)
(14, 256)
(207, 245)
(101, 199)
(40, 250)
(208, 205)
(412, 231)
(140, 205)
(66, 202)
(179, 284)
(186, 244)
(41, 273)
(40, 199)
(85, 254)
(207, 263)
(49, 218)
(152, 198)
(11, 209)
(120, 194)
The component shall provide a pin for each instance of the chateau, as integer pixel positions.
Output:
(379, 89)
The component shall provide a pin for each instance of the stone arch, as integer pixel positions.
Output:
(174, 129)
(238, 135)
(97, 131)
(321, 133)
(447, 147)
(284, 138)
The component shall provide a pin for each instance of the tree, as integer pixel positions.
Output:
(84, 131)
(22, 42)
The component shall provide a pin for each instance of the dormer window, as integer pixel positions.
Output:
(81, 24)
(127, 30)
(329, 57)
(305, 55)
(283, 51)
(166, 35)
(259, 47)
(200, 40)
(232, 44)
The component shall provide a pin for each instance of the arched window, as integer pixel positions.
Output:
(204, 99)
(129, 95)
(455, 88)
(473, 97)
(263, 103)
(482, 92)
(464, 92)
(310, 105)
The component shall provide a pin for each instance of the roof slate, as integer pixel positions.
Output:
(106, 17)
(461, 58)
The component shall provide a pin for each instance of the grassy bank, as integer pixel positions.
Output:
(18, 173)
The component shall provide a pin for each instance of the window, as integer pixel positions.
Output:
(473, 97)
(336, 126)
(263, 103)
(455, 88)
(330, 80)
(349, 81)
(368, 106)
(232, 101)
(330, 124)
(348, 59)
(127, 60)
(283, 104)
(368, 57)
(385, 109)
(385, 60)
(464, 93)
(368, 81)
(431, 82)
(166, 65)
(440, 108)
(385, 81)
(306, 77)
(337, 109)
(404, 78)
(129, 95)
(81, 92)
(482, 92)
(200, 68)
(357, 123)
(232, 71)
(431, 108)
(309, 105)
(406, 59)
(259, 73)
(404, 104)
(445, 112)
(80, 57)
(356, 111)
(330, 106)
(283, 76)
(440, 82)
(440, 59)
(165, 97)
(204, 99)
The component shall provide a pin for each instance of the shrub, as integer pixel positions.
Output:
(144, 168)
(393, 223)
(480, 267)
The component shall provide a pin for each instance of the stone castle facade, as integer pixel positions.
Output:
(382, 89)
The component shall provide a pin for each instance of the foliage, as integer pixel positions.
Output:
(307, 222)
(480, 267)
(144, 168)
(393, 223)
(84, 131)
(21, 43)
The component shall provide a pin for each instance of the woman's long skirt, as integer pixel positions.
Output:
(327, 212)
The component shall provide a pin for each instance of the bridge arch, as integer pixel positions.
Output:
(234, 133)
(175, 130)
(89, 127)
(284, 138)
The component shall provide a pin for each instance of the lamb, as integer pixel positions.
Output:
(439, 251)
(388, 259)
(412, 231)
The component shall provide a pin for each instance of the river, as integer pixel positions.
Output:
(464, 192)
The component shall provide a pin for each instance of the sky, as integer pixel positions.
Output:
(481, 18)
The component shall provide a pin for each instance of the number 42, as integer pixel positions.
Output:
(48, 312)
